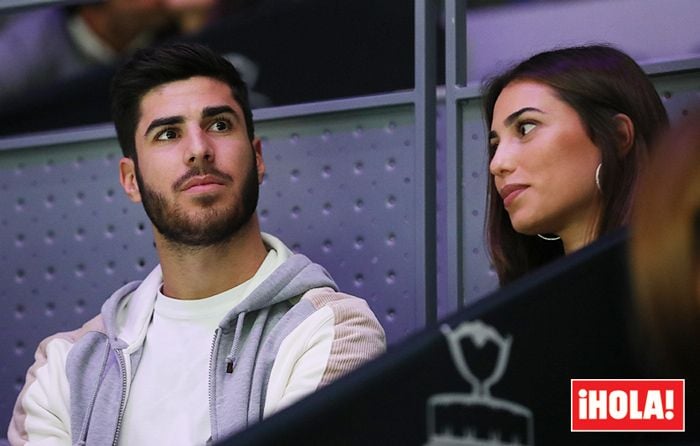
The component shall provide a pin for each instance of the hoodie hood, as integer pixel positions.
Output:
(127, 313)
(294, 277)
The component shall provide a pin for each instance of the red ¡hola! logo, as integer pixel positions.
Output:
(628, 405)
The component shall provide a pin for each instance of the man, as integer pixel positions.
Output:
(231, 326)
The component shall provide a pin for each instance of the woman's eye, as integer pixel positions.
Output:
(166, 135)
(525, 128)
(220, 126)
(493, 145)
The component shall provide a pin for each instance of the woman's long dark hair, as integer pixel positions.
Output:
(598, 82)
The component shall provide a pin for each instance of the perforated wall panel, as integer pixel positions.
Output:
(340, 189)
(680, 94)
(479, 277)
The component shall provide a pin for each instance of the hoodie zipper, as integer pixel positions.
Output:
(122, 403)
(214, 343)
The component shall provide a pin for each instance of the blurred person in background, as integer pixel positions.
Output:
(315, 43)
(44, 46)
(665, 254)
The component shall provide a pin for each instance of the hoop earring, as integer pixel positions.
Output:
(597, 177)
(549, 239)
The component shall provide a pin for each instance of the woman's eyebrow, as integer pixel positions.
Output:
(513, 116)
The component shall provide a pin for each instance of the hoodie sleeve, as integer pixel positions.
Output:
(338, 337)
(41, 415)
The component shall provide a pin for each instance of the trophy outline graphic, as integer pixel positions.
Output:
(480, 396)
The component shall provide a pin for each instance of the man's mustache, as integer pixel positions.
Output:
(196, 172)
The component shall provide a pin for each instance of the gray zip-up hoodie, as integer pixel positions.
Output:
(102, 357)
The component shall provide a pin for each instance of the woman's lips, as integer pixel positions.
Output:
(510, 192)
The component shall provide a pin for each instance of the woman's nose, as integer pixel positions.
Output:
(503, 161)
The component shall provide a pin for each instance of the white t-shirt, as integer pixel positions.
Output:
(168, 400)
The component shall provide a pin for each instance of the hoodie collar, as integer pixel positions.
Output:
(127, 313)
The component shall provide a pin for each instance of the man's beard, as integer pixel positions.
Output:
(210, 226)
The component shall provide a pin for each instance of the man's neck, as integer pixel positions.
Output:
(203, 272)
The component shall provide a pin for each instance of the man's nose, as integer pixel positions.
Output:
(199, 148)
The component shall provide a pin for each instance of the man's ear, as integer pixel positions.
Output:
(127, 177)
(259, 162)
(625, 133)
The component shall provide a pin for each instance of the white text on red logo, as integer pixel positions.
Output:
(627, 405)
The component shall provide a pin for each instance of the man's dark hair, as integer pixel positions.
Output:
(155, 66)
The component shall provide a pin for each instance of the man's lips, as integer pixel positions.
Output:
(202, 183)
(510, 191)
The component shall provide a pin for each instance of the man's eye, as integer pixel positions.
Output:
(221, 125)
(166, 134)
(525, 128)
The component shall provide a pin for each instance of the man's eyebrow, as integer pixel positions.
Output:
(169, 120)
(217, 110)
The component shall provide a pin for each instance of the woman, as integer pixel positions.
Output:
(665, 252)
(569, 131)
